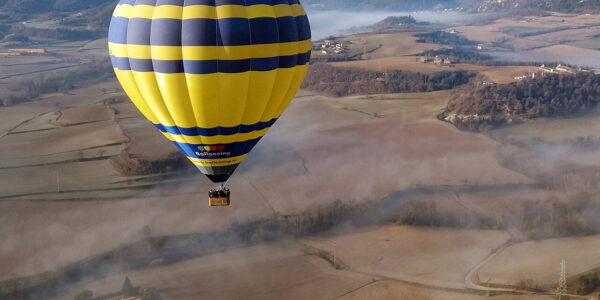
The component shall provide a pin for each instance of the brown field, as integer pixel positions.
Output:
(391, 290)
(98, 47)
(593, 44)
(63, 139)
(13, 117)
(540, 261)
(408, 63)
(12, 69)
(41, 122)
(293, 160)
(88, 114)
(267, 271)
(396, 44)
(272, 271)
(500, 75)
(424, 151)
(432, 257)
(144, 140)
(42, 235)
(507, 74)
(85, 175)
(572, 29)
(569, 50)
(374, 46)
(486, 33)
(554, 38)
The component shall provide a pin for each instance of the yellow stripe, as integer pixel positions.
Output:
(200, 12)
(218, 139)
(218, 162)
(262, 10)
(142, 11)
(208, 12)
(128, 83)
(209, 52)
(167, 12)
(123, 10)
(297, 10)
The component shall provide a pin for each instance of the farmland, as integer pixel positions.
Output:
(355, 197)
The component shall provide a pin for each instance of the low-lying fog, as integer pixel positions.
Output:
(531, 56)
(330, 22)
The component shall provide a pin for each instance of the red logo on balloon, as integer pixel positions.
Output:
(214, 148)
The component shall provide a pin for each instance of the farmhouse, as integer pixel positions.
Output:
(28, 51)
(10, 54)
(565, 69)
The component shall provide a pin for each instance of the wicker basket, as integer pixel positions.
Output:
(218, 201)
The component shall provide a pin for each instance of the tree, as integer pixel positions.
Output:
(127, 288)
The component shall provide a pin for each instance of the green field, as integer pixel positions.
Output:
(552, 130)
(520, 30)
(593, 44)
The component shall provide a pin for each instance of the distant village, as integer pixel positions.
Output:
(19, 52)
(332, 47)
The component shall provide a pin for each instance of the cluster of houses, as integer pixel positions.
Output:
(559, 69)
(543, 69)
(437, 60)
(19, 52)
(331, 46)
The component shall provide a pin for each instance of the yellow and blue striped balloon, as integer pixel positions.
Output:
(212, 75)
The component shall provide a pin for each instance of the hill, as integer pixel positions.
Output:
(570, 6)
(44, 6)
(551, 95)
(398, 5)
(55, 19)
(393, 24)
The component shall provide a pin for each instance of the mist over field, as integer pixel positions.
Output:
(325, 23)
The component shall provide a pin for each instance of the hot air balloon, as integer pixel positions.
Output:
(212, 75)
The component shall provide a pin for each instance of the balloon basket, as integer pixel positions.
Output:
(219, 201)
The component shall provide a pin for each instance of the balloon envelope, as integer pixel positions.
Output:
(212, 75)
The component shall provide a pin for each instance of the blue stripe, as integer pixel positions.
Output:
(210, 66)
(165, 32)
(287, 28)
(121, 63)
(198, 131)
(234, 149)
(145, 2)
(117, 31)
(208, 32)
(128, 2)
(138, 31)
(303, 28)
(169, 2)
